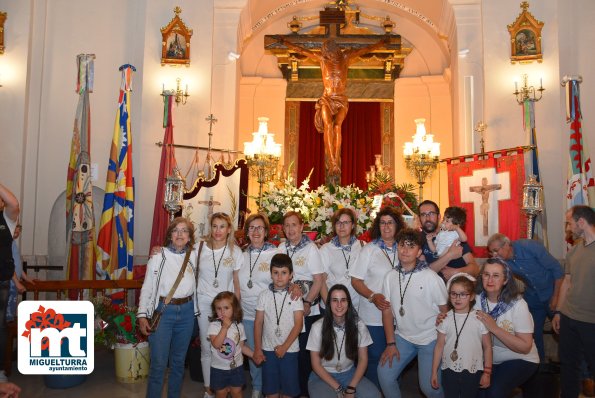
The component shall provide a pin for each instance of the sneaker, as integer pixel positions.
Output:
(3, 378)
(255, 394)
(207, 395)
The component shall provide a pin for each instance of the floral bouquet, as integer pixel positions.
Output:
(283, 196)
(328, 199)
(115, 323)
(400, 196)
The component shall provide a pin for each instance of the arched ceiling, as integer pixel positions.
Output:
(427, 26)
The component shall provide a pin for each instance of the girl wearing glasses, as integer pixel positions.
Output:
(220, 263)
(339, 255)
(463, 345)
(255, 277)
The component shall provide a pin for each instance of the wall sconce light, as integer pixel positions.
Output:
(233, 56)
(528, 92)
(180, 96)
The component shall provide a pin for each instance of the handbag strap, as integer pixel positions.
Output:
(178, 279)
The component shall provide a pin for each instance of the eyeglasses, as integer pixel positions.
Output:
(386, 223)
(455, 295)
(494, 251)
(428, 214)
(493, 276)
(257, 228)
(343, 223)
(180, 231)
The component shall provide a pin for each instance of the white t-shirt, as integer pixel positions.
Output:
(226, 266)
(425, 292)
(371, 267)
(261, 278)
(338, 263)
(230, 349)
(315, 340)
(285, 310)
(469, 349)
(518, 319)
(444, 240)
(306, 263)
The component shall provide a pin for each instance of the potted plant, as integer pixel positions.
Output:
(116, 327)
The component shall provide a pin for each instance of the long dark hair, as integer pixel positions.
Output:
(327, 345)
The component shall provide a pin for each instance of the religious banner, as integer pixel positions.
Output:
(581, 185)
(490, 188)
(80, 221)
(115, 239)
(168, 163)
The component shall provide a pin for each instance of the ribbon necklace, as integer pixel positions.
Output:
(233, 363)
(279, 313)
(403, 291)
(216, 282)
(454, 355)
(250, 284)
(340, 347)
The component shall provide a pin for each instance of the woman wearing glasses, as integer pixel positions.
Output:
(367, 276)
(169, 341)
(506, 316)
(220, 263)
(340, 254)
(255, 276)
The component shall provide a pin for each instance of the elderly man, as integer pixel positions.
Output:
(458, 258)
(575, 315)
(533, 264)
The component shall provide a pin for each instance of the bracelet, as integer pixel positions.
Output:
(557, 312)
(391, 343)
(371, 297)
(307, 302)
(350, 390)
(339, 389)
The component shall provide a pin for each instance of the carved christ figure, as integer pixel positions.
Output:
(484, 190)
(331, 108)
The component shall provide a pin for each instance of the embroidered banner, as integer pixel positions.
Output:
(490, 188)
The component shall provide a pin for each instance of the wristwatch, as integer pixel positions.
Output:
(371, 298)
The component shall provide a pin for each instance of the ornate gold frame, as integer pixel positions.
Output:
(175, 41)
(525, 37)
(2, 19)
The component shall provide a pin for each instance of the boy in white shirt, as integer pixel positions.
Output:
(277, 325)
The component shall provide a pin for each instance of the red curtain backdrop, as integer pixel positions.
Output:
(511, 221)
(361, 132)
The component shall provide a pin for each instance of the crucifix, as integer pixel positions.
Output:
(210, 204)
(209, 161)
(334, 61)
(484, 190)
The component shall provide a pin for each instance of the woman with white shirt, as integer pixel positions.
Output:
(337, 342)
(308, 273)
(506, 316)
(255, 276)
(220, 263)
(169, 342)
(340, 254)
(367, 277)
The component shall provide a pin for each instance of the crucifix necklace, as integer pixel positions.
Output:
(403, 291)
(346, 262)
(233, 363)
(278, 313)
(340, 347)
(217, 266)
(250, 284)
(454, 355)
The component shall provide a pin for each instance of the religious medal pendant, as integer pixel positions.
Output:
(233, 364)
(278, 332)
(250, 284)
(347, 274)
(454, 356)
(402, 311)
(338, 367)
(215, 283)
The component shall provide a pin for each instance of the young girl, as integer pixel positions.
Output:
(338, 345)
(464, 345)
(227, 337)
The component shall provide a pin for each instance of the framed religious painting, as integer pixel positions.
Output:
(175, 41)
(2, 19)
(525, 37)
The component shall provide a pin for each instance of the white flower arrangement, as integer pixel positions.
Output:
(282, 197)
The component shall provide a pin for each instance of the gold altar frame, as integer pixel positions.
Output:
(525, 37)
(175, 41)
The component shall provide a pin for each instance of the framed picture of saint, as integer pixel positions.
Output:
(175, 42)
(525, 37)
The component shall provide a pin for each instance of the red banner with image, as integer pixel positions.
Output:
(490, 188)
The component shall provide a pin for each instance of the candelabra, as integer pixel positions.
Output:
(528, 92)
(421, 155)
(532, 204)
(262, 155)
(179, 95)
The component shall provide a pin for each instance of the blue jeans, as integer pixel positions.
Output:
(255, 371)
(577, 341)
(388, 376)
(539, 311)
(319, 389)
(305, 366)
(506, 376)
(375, 350)
(170, 343)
